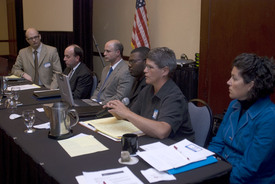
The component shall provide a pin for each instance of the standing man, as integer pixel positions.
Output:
(161, 109)
(136, 67)
(80, 75)
(116, 81)
(38, 62)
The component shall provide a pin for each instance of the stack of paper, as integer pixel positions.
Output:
(175, 156)
(112, 127)
(121, 175)
(24, 87)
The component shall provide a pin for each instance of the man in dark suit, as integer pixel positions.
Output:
(38, 55)
(81, 80)
(136, 67)
(116, 81)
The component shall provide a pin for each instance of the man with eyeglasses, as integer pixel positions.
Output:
(161, 109)
(38, 62)
(116, 81)
(136, 67)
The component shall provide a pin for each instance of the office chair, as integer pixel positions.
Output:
(201, 120)
(95, 82)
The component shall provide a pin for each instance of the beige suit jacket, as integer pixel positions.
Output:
(118, 85)
(48, 64)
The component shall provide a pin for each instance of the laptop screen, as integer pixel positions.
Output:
(65, 88)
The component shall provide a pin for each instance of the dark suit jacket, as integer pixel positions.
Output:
(48, 63)
(117, 86)
(136, 90)
(81, 82)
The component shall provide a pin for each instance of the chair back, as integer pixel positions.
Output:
(95, 82)
(201, 120)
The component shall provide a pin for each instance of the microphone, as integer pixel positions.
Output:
(105, 112)
(125, 101)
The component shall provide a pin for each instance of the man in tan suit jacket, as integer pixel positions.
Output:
(48, 61)
(119, 82)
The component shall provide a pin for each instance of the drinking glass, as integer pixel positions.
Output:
(1, 96)
(29, 117)
(10, 102)
(15, 91)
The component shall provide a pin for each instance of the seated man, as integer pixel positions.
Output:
(116, 81)
(161, 109)
(136, 67)
(38, 62)
(81, 80)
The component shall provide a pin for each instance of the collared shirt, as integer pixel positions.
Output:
(73, 70)
(115, 65)
(168, 105)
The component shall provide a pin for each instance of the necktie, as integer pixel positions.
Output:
(71, 73)
(98, 95)
(36, 75)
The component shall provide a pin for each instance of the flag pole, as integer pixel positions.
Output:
(98, 50)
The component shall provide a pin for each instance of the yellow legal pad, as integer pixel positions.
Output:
(112, 127)
(81, 145)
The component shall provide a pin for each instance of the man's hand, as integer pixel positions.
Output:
(27, 77)
(117, 109)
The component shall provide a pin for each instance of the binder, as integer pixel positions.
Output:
(209, 160)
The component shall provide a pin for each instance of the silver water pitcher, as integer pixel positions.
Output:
(62, 119)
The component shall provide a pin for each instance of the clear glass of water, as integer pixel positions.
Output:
(29, 118)
(15, 91)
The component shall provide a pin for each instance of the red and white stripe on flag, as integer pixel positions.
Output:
(140, 36)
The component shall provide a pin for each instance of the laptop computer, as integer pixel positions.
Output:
(47, 93)
(84, 107)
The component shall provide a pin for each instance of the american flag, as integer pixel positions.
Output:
(140, 36)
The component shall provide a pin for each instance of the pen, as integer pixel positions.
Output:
(176, 148)
(93, 128)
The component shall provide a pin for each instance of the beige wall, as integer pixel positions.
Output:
(172, 23)
(4, 46)
(48, 15)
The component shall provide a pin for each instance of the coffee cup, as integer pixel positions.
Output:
(129, 142)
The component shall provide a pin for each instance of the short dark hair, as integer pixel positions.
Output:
(119, 46)
(261, 70)
(162, 57)
(78, 51)
(143, 52)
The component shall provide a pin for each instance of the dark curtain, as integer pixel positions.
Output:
(81, 35)
(82, 26)
(20, 34)
(60, 40)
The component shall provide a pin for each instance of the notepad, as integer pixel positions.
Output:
(112, 127)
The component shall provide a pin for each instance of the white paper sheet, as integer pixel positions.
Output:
(152, 175)
(155, 145)
(174, 156)
(24, 87)
(121, 175)
(42, 126)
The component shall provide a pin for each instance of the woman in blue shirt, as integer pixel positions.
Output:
(246, 136)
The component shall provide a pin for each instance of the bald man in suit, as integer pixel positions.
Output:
(119, 82)
(48, 61)
(81, 80)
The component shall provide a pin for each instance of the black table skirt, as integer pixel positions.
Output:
(35, 158)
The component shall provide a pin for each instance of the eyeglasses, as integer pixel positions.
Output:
(132, 61)
(31, 38)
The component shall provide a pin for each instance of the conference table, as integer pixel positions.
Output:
(35, 158)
